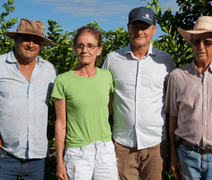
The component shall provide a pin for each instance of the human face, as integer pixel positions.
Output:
(27, 48)
(141, 33)
(202, 47)
(85, 56)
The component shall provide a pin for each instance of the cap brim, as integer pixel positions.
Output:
(143, 20)
(45, 42)
(187, 34)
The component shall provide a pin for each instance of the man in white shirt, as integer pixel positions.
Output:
(139, 72)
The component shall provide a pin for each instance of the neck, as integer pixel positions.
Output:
(139, 51)
(202, 66)
(26, 69)
(85, 71)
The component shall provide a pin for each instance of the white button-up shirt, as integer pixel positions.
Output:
(24, 107)
(139, 96)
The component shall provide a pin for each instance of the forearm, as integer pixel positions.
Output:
(60, 134)
(60, 128)
(172, 127)
(174, 161)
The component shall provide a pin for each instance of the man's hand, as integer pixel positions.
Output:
(1, 142)
(61, 172)
(175, 167)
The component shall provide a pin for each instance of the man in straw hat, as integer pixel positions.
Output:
(26, 81)
(189, 102)
(139, 72)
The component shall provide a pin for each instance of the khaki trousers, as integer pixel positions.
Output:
(150, 162)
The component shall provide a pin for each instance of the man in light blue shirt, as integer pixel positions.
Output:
(139, 73)
(26, 82)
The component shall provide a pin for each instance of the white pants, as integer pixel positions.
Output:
(96, 161)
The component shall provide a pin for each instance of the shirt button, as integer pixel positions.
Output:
(205, 108)
(205, 123)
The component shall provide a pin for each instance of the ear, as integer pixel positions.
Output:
(155, 28)
(100, 50)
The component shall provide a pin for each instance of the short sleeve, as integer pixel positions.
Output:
(171, 105)
(58, 89)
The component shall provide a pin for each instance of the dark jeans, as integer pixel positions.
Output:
(29, 169)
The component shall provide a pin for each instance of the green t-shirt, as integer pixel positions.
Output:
(86, 106)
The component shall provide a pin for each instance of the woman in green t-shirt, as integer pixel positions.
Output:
(81, 100)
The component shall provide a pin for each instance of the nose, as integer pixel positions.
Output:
(30, 43)
(84, 49)
(140, 31)
(201, 45)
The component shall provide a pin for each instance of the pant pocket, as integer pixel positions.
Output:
(110, 148)
(72, 154)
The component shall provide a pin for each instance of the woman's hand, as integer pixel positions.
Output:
(61, 172)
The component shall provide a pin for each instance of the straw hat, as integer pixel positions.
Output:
(33, 28)
(203, 25)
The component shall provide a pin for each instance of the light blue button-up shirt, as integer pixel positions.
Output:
(139, 95)
(24, 107)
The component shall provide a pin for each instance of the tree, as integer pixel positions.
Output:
(6, 43)
(62, 55)
(171, 41)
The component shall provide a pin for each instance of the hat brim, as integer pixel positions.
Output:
(187, 34)
(143, 20)
(45, 42)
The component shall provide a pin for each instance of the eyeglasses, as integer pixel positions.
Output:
(89, 46)
(196, 42)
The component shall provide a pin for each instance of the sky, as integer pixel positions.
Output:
(72, 14)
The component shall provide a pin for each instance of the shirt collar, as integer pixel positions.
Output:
(151, 50)
(11, 58)
(210, 68)
(195, 70)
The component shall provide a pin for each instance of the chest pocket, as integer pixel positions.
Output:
(42, 92)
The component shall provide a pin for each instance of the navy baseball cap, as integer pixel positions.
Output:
(142, 14)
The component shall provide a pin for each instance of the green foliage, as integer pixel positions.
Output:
(6, 43)
(172, 42)
(62, 55)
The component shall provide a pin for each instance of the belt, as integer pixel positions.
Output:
(201, 150)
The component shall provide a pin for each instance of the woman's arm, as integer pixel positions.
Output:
(60, 133)
(110, 106)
